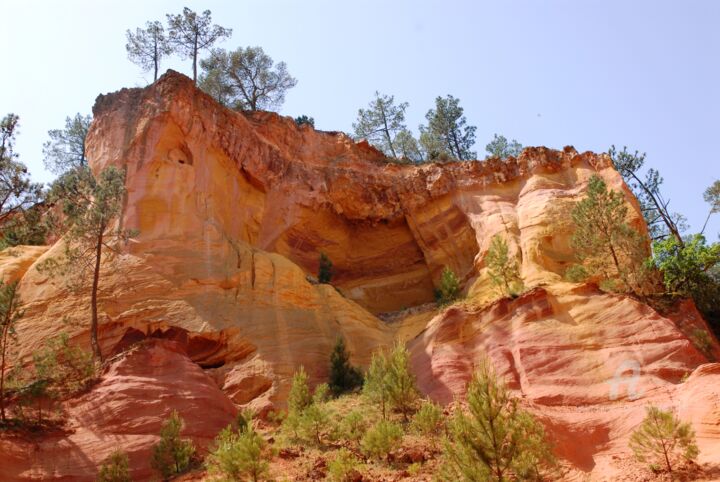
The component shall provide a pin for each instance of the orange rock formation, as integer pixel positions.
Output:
(233, 210)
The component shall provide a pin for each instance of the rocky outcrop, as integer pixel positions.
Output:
(233, 211)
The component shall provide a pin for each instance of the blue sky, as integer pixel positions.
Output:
(545, 72)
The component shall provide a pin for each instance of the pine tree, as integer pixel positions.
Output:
(65, 151)
(504, 272)
(238, 456)
(607, 247)
(500, 148)
(377, 386)
(447, 129)
(381, 438)
(343, 376)
(89, 207)
(449, 289)
(325, 270)
(402, 391)
(299, 397)
(9, 316)
(190, 33)
(115, 468)
(147, 47)
(662, 438)
(172, 455)
(496, 440)
(381, 123)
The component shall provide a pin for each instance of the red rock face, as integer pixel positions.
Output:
(125, 409)
(233, 211)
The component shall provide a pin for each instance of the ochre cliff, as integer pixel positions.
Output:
(232, 212)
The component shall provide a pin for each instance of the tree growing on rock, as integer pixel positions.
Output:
(663, 439)
(447, 130)
(504, 272)
(115, 468)
(190, 33)
(172, 455)
(17, 193)
(246, 79)
(148, 46)
(89, 206)
(605, 244)
(9, 315)
(712, 197)
(495, 440)
(660, 221)
(65, 151)
(343, 376)
(381, 123)
(449, 289)
(325, 269)
(238, 456)
(501, 148)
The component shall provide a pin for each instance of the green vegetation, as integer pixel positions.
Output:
(344, 464)
(299, 397)
(449, 289)
(662, 439)
(147, 47)
(428, 420)
(9, 315)
(500, 148)
(325, 269)
(389, 381)
(65, 151)
(18, 195)
(308, 416)
(189, 33)
(353, 426)
(89, 206)
(608, 248)
(238, 456)
(115, 468)
(172, 455)
(343, 376)
(305, 120)
(381, 438)
(245, 79)
(381, 123)
(496, 440)
(447, 133)
(504, 272)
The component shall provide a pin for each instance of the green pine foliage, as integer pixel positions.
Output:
(504, 272)
(172, 455)
(238, 456)
(10, 314)
(606, 246)
(325, 270)
(115, 468)
(663, 440)
(389, 381)
(376, 385)
(449, 289)
(342, 466)
(299, 397)
(308, 414)
(353, 426)
(428, 420)
(381, 439)
(495, 440)
(343, 376)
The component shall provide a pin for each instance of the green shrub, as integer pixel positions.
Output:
(313, 421)
(662, 439)
(344, 464)
(353, 426)
(343, 376)
(449, 289)
(305, 120)
(576, 273)
(504, 272)
(299, 396)
(701, 339)
(381, 438)
(115, 468)
(428, 420)
(172, 455)
(238, 456)
(389, 381)
(325, 270)
(495, 440)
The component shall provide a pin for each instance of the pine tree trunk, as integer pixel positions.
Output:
(5, 336)
(97, 354)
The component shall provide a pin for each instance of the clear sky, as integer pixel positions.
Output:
(642, 73)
